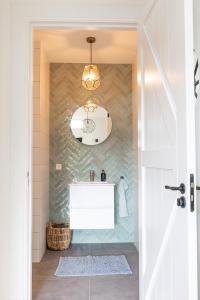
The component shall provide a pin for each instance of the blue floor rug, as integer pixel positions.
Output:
(92, 266)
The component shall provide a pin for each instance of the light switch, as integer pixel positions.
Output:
(58, 167)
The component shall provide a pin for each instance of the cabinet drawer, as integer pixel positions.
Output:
(92, 197)
(92, 218)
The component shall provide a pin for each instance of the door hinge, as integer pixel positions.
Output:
(192, 192)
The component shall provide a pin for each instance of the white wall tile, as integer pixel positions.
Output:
(36, 45)
(40, 152)
(36, 156)
(36, 224)
(36, 205)
(36, 139)
(36, 189)
(36, 123)
(36, 173)
(35, 256)
(44, 126)
(36, 57)
(35, 241)
(44, 157)
(36, 90)
(44, 138)
(36, 73)
(36, 106)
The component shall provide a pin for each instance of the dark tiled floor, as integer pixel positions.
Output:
(122, 287)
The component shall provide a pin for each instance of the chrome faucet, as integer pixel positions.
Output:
(92, 175)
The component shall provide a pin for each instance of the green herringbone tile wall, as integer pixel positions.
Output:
(115, 155)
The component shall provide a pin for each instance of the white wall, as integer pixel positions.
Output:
(40, 151)
(5, 147)
(197, 49)
(135, 152)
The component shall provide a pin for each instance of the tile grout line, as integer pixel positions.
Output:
(89, 288)
(90, 252)
(40, 272)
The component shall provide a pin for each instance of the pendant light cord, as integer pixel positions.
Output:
(91, 53)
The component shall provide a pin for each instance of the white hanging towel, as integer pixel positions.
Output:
(122, 188)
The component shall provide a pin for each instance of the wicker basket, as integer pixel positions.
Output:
(58, 236)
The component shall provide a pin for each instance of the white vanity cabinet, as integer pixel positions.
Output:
(91, 205)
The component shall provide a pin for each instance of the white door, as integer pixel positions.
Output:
(168, 269)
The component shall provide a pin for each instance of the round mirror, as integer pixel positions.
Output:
(91, 128)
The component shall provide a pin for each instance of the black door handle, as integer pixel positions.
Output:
(180, 188)
(198, 188)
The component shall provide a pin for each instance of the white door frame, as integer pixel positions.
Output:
(68, 25)
(23, 21)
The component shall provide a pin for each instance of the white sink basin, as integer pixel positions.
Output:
(91, 183)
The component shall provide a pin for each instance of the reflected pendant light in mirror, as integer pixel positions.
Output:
(90, 105)
(88, 125)
(91, 76)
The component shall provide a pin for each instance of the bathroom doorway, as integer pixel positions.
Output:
(59, 57)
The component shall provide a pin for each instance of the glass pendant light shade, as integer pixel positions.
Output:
(91, 76)
(90, 106)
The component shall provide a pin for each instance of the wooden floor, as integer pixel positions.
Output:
(121, 287)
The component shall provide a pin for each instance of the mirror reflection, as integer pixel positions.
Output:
(91, 128)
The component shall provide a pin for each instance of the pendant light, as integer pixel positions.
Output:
(91, 76)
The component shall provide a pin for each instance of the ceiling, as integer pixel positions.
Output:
(70, 46)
